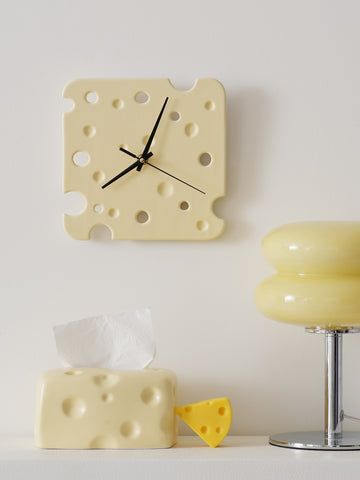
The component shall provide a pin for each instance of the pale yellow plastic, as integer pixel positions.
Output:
(106, 116)
(97, 408)
(318, 283)
(210, 419)
(315, 247)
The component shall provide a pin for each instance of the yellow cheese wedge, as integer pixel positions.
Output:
(210, 419)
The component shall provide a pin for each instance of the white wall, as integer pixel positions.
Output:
(292, 75)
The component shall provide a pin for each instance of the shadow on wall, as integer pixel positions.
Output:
(248, 126)
(258, 409)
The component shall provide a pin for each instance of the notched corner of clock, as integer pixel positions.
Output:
(182, 88)
(214, 81)
(198, 83)
(78, 229)
(75, 227)
(217, 218)
(72, 87)
(69, 99)
(74, 91)
(220, 228)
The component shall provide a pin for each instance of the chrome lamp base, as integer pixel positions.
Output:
(333, 437)
(316, 441)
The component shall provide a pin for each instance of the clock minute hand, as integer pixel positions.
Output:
(152, 134)
(176, 178)
(121, 174)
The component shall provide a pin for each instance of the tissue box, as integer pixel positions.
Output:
(100, 408)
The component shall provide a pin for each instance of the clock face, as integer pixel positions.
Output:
(148, 158)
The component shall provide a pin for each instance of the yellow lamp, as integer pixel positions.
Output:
(317, 286)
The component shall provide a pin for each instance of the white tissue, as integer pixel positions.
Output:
(120, 342)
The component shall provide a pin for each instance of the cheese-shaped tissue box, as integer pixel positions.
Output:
(100, 408)
(109, 398)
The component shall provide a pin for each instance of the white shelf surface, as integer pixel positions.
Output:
(238, 458)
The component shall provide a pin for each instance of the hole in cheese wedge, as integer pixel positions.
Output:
(210, 419)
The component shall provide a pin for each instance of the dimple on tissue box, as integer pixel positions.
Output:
(106, 398)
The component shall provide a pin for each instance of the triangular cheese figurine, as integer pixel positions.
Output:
(210, 419)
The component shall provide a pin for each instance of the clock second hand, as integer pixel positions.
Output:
(173, 176)
(144, 161)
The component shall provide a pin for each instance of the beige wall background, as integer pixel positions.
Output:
(292, 75)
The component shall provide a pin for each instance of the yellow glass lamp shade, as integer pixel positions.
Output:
(315, 247)
(311, 300)
(318, 279)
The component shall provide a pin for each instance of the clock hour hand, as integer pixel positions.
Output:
(152, 134)
(129, 153)
(141, 157)
(176, 178)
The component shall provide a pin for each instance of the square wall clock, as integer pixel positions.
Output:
(148, 158)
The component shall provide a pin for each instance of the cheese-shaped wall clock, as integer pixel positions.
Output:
(148, 158)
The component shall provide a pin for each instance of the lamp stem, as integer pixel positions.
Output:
(333, 386)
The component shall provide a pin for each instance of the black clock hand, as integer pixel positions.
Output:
(129, 153)
(140, 157)
(152, 134)
(121, 174)
(176, 178)
(127, 170)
